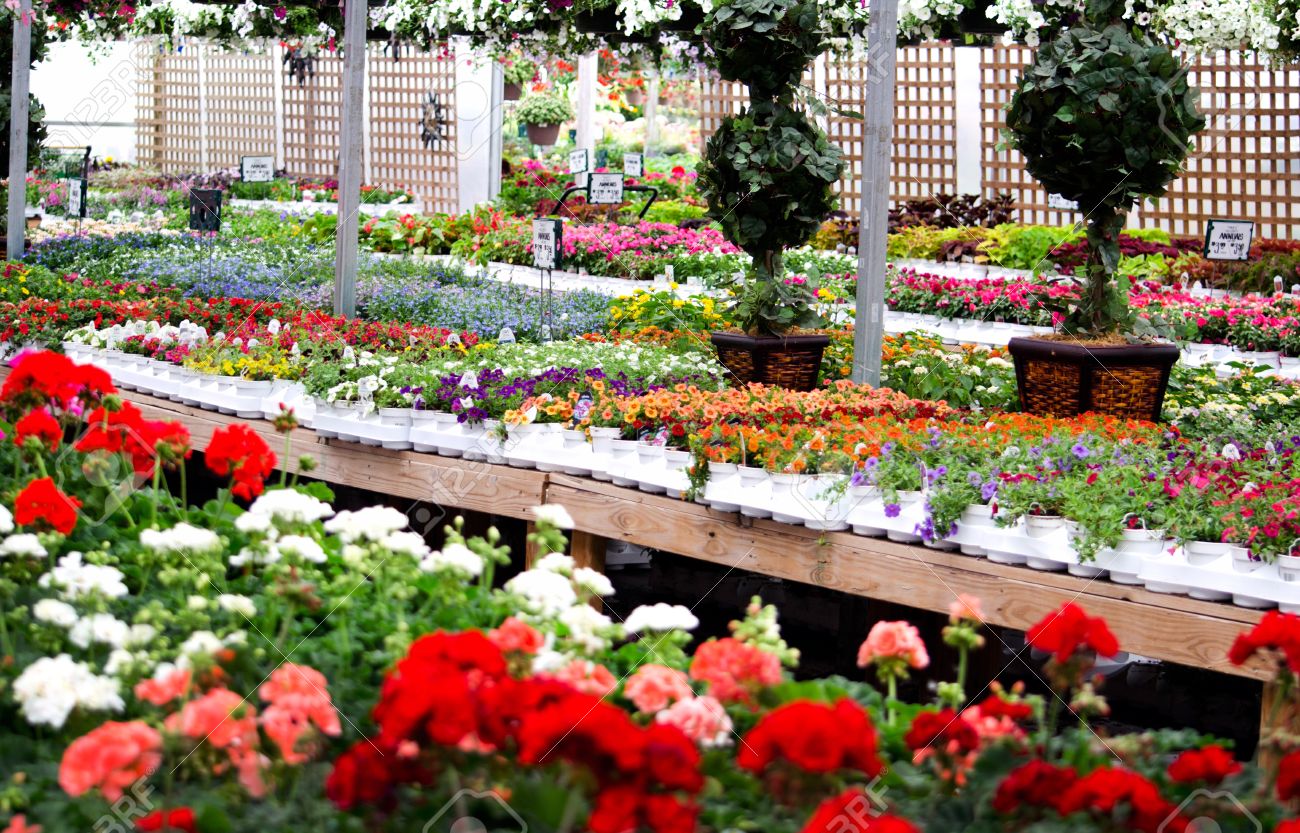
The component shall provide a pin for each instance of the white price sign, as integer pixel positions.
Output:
(257, 168)
(606, 189)
(1228, 239)
(578, 161)
(1060, 203)
(633, 164)
(548, 236)
(76, 197)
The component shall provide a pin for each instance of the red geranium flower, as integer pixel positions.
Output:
(1275, 631)
(1034, 784)
(40, 424)
(814, 737)
(180, 818)
(47, 378)
(1288, 777)
(42, 501)
(944, 730)
(1070, 630)
(1103, 790)
(1209, 765)
(852, 811)
(239, 452)
(996, 706)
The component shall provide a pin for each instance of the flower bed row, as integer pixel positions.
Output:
(268, 661)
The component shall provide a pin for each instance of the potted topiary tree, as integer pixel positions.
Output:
(768, 174)
(518, 71)
(543, 113)
(1103, 116)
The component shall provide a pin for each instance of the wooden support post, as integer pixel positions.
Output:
(19, 113)
(877, 139)
(530, 547)
(588, 550)
(350, 145)
(1277, 714)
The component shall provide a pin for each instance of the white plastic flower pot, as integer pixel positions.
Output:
(975, 517)
(1201, 553)
(1144, 542)
(1040, 526)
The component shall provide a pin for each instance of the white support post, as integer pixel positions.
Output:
(877, 141)
(495, 123)
(350, 147)
(587, 69)
(19, 112)
(969, 115)
(651, 113)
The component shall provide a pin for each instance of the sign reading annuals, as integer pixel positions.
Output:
(606, 189)
(548, 243)
(1228, 239)
(257, 168)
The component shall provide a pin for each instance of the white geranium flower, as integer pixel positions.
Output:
(76, 579)
(51, 687)
(369, 524)
(180, 538)
(290, 506)
(544, 593)
(54, 612)
(249, 523)
(196, 603)
(588, 628)
(659, 618)
(6, 520)
(303, 547)
(454, 558)
(406, 542)
(234, 603)
(200, 643)
(22, 544)
(554, 514)
(555, 562)
(593, 581)
(99, 628)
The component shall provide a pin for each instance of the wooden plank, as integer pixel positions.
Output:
(479, 487)
(1175, 629)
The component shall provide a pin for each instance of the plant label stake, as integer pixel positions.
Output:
(633, 164)
(1060, 203)
(1228, 239)
(548, 255)
(578, 161)
(606, 189)
(77, 200)
(257, 168)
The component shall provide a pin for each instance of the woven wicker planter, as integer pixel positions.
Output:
(792, 362)
(1060, 379)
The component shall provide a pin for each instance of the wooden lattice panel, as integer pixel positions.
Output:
(718, 99)
(402, 91)
(1004, 170)
(924, 147)
(239, 92)
(313, 117)
(169, 128)
(1244, 166)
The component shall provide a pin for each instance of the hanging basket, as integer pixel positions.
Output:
(512, 92)
(792, 362)
(974, 20)
(1060, 379)
(543, 134)
(635, 97)
(692, 17)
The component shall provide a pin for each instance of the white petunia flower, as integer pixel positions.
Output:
(659, 618)
(50, 688)
(55, 612)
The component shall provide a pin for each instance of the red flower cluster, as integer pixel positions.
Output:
(814, 737)
(1275, 632)
(179, 818)
(40, 424)
(42, 502)
(54, 380)
(996, 706)
(1209, 765)
(944, 730)
(1288, 777)
(1070, 630)
(852, 811)
(126, 431)
(455, 690)
(1038, 784)
(237, 451)
(734, 670)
